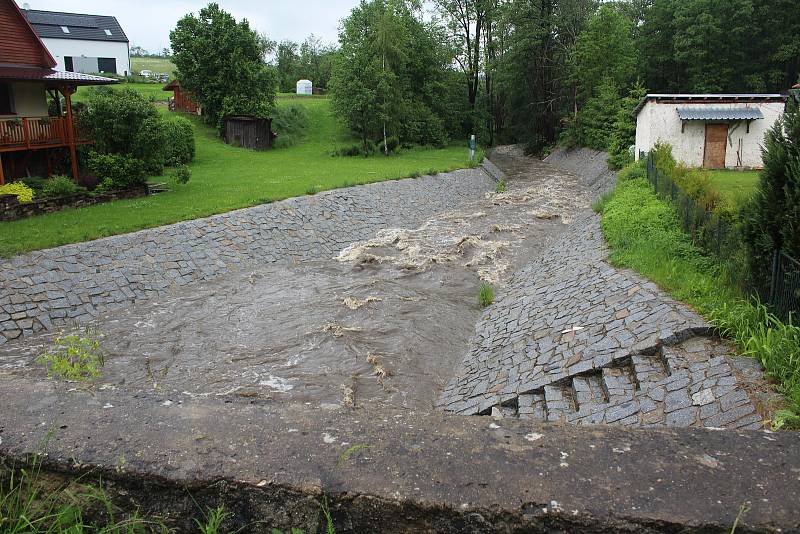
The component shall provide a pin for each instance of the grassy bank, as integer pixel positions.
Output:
(644, 234)
(225, 178)
(155, 64)
(32, 502)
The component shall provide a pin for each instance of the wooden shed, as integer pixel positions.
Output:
(181, 100)
(249, 132)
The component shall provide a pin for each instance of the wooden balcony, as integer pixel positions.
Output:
(31, 133)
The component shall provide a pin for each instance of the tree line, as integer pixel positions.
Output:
(541, 71)
(531, 71)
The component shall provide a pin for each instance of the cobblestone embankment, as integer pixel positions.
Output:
(574, 339)
(76, 282)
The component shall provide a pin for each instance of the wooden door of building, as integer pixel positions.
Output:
(716, 144)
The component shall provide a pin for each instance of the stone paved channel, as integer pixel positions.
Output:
(576, 340)
(367, 296)
(77, 282)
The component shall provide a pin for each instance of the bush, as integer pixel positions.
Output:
(179, 148)
(633, 171)
(127, 123)
(695, 182)
(34, 182)
(362, 149)
(115, 172)
(182, 174)
(59, 186)
(150, 145)
(23, 192)
(350, 151)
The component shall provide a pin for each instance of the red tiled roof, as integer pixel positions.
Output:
(53, 76)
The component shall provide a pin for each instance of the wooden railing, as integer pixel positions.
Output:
(34, 132)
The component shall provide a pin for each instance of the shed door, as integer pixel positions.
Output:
(716, 143)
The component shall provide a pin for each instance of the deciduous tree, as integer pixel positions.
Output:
(222, 63)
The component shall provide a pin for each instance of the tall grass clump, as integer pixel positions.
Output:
(485, 294)
(645, 234)
(28, 505)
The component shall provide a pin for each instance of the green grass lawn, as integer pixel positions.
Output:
(226, 178)
(736, 186)
(155, 64)
(150, 90)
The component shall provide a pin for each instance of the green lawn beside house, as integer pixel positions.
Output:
(226, 178)
(736, 186)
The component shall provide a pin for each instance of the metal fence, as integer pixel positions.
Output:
(709, 231)
(724, 240)
(784, 294)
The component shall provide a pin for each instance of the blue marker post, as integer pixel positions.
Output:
(472, 147)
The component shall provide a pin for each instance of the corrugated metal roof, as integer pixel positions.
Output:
(48, 24)
(719, 114)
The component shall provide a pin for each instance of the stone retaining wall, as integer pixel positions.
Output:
(76, 282)
(11, 209)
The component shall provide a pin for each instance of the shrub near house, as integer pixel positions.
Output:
(132, 139)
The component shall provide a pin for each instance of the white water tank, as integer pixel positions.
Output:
(305, 87)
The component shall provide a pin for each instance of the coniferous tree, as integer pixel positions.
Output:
(772, 220)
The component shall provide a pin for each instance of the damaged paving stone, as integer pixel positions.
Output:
(569, 319)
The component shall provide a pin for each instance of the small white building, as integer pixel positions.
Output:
(82, 43)
(305, 87)
(715, 131)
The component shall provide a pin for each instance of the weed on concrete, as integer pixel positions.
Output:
(76, 357)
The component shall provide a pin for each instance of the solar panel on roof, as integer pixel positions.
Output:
(78, 21)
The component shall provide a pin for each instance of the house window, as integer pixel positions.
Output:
(68, 66)
(108, 32)
(64, 29)
(6, 105)
(107, 64)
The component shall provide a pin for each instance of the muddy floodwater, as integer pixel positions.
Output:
(385, 321)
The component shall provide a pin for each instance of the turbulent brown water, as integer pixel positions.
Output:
(385, 321)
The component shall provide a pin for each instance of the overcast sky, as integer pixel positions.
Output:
(148, 22)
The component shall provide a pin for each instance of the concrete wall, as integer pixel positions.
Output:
(29, 99)
(60, 48)
(660, 122)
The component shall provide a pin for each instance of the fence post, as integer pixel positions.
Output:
(774, 280)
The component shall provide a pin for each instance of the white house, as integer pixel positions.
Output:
(82, 43)
(305, 87)
(715, 131)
